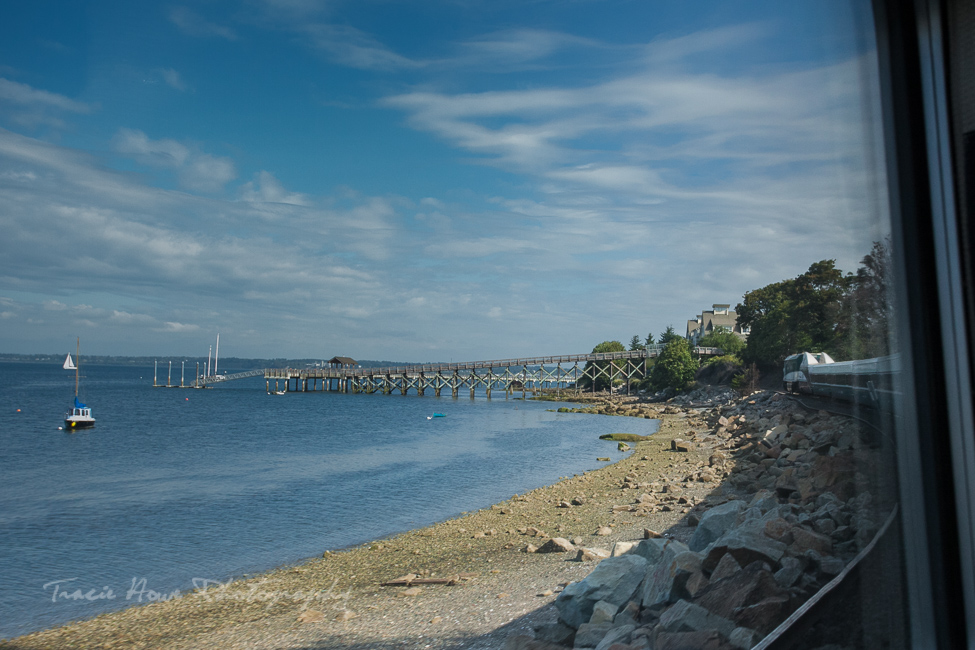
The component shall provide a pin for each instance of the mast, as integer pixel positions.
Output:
(77, 368)
(216, 357)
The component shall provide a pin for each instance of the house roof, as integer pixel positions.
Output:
(712, 320)
(343, 361)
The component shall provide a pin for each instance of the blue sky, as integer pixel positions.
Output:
(455, 179)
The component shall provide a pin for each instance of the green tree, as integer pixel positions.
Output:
(635, 343)
(649, 340)
(601, 369)
(809, 312)
(724, 338)
(675, 367)
(669, 335)
(871, 305)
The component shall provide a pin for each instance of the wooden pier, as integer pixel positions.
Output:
(530, 375)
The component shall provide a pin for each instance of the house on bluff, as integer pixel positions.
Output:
(708, 321)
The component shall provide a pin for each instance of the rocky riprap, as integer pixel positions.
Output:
(795, 505)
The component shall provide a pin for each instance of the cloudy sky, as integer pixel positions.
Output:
(429, 180)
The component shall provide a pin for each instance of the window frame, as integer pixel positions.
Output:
(936, 459)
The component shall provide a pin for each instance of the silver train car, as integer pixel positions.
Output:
(869, 382)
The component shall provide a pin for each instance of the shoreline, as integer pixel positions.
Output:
(336, 601)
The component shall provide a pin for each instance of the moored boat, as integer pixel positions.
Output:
(79, 416)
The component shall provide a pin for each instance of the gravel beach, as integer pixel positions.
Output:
(466, 582)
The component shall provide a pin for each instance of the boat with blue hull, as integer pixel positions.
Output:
(79, 416)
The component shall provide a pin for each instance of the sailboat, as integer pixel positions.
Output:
(79, 416)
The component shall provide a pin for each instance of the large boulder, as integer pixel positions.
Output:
(688, 617)
(615, 580)
(747, 544)
(714, 523)
(751, 598)
(658, 586)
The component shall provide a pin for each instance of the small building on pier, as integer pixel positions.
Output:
(342, 362)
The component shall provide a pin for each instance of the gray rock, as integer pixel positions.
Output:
(524, 642)
(688, 578)
(764, 500)
(763, 615)
(726, 568)
(747, 545)
(715, 523)
(825, 526)
(651, 549)
(614, 580)
(559, 633)
(744, 638)
(603, 612)
(789, 573)
(735, 597)
(750, 514)
(688, 617)
(619, 634)
(705, 640)
(659, 581)
(589, 635)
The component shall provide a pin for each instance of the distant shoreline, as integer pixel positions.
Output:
(228, 362)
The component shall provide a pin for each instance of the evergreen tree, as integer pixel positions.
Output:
(669, 335)
(635, 343)
(871, 305)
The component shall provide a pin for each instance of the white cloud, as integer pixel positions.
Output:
(173, 78)
(195, 170)
(161, 153)
(24, 95)
(351, 47)
(30, 107)
(517, 48)
(265, 188)
(206, 173)
(677, 49)
(179, 327)
(192, 24)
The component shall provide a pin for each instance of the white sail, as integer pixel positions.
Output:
(68, 363)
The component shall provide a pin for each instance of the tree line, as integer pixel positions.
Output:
(846, 315)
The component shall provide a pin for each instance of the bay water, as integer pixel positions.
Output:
(173, 485)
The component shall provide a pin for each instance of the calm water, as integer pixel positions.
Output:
(174, 485)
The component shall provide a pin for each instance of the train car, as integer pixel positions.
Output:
(866, 381)
(869, 382)
(795, 370)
